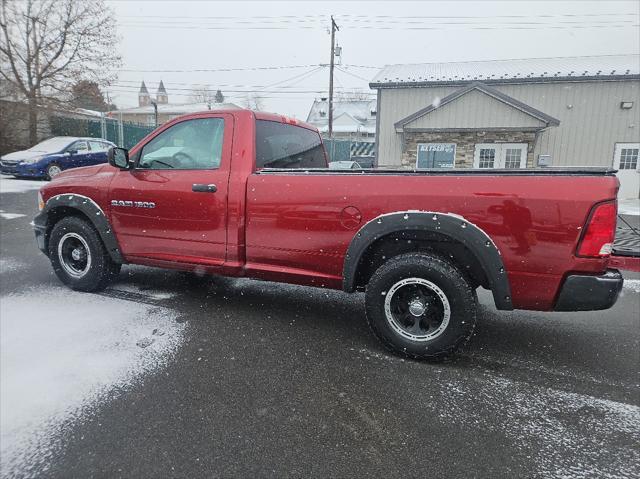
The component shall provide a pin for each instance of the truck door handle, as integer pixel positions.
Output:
(202, 188)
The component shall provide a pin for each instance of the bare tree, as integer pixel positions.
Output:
(254, 101)
(48, 45)
(202, 94)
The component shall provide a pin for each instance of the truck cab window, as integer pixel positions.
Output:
(189, 145)
(279, 145)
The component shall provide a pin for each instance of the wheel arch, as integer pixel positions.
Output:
(462, 240)
(60, 206)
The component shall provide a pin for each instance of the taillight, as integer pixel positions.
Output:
(597, 239)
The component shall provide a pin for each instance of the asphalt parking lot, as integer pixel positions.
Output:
(167, 375)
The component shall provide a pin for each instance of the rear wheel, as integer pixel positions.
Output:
(79, 257)
(421, 306)
(53, 170)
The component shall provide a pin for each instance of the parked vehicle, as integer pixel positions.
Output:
(345, 165)
(365, 161)
(50, 157)
(241, 193)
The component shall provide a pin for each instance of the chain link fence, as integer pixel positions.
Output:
(121, 133)
(345, 150)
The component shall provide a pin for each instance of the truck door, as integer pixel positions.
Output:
(173, 205)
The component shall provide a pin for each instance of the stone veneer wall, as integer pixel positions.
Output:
(465, 144)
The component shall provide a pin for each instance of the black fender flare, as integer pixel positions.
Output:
(90, 209)
(454, 226)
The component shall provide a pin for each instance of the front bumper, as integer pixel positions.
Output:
(589, 293)
(21, 170)
(40, 229)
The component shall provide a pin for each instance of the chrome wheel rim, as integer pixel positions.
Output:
(417, 309)
(74, 255)
(54, 171)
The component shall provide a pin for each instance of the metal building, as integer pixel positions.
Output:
(578, 111)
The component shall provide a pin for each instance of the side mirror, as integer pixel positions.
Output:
(119, 157)
(71, 152)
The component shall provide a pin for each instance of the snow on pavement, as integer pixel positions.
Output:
(61, 354)
(153, 294)
(632, 284)
(629, 207)
(10, 216)
(9, 184)
(8, 265)
(570, 435)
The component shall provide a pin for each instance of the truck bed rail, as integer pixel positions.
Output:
(446, 171)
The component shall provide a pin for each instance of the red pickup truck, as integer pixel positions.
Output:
(242, 193)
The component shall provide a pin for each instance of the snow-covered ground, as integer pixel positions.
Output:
(61, 354)
(629, 207)
(9, 184)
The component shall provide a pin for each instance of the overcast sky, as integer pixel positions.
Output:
(261, 41)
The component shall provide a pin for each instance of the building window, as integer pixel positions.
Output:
(487, 157)
(151, 120)
(512, 158)
(500, 155)
(436, 155)
(628, 158)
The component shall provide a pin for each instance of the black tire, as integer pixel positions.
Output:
(98, 269)
(53, 170)
(427, 283)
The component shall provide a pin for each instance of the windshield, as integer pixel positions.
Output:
(52, 145)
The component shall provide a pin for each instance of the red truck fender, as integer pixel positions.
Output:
(66, 203)
(455, 227)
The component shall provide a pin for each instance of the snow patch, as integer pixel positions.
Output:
(61, 354)
(632, 284)
(629, 207)
(8, 265)
(151, 293)
(573, 435)
(10, 216)
(8, 184)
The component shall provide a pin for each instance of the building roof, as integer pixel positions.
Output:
(506, 71)
(161, 88)
(179, 109)
(143, 89)
(545, 119)
(350, 116)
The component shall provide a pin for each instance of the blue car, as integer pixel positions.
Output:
(50, 157)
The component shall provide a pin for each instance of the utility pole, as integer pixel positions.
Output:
(155, 112)
(334, 27)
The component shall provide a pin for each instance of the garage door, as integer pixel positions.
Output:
(625, 160)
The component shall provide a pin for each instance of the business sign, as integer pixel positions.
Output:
(436, 155)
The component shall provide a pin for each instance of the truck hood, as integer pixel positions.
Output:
(82, 172)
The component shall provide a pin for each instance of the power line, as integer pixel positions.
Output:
(353, 74)
(385, 26)
(343, 66)
(200, 86)
(221, 69)
(132, 88)
(324, 17)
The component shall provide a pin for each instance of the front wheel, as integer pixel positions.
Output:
(53, 170)
(79, 257)
(421, 306)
